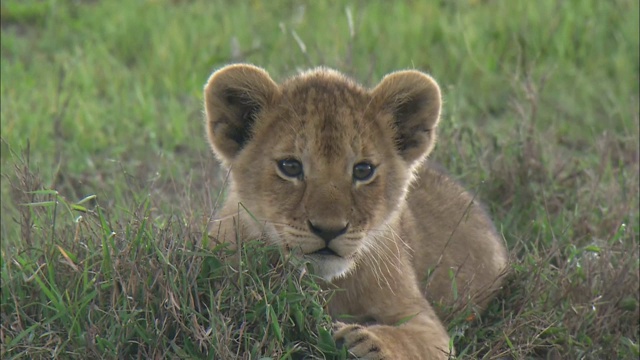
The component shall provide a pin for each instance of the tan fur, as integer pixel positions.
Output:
(400, 239)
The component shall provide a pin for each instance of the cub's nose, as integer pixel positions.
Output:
(327, 233)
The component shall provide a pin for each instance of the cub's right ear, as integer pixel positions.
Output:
(233, 97)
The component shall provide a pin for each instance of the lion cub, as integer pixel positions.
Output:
(338, 173)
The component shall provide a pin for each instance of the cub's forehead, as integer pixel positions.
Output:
(324, 97)
(328, 112)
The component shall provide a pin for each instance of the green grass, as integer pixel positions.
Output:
(107, 180)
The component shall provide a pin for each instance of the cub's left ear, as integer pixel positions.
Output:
(412, 99)
(234, 97)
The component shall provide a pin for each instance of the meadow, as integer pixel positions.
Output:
(107, 180)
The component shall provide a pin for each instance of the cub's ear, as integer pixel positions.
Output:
(412, 99)
(233, 98)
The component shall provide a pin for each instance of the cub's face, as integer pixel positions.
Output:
(321, 163)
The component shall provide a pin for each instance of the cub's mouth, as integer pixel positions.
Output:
(328, 264)
(324, 251)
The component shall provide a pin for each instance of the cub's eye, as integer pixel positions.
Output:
(290, 167)
(363, 171)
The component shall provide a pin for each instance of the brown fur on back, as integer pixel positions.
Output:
(337, 173)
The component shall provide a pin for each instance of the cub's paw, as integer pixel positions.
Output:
(361, 342)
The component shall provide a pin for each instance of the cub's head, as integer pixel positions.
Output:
(321, 163)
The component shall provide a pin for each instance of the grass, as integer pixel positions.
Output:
(107, 180)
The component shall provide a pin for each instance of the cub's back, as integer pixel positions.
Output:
(444, 216)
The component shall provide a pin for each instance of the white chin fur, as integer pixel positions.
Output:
(329, 267)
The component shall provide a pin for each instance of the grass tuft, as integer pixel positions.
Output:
(112, 289)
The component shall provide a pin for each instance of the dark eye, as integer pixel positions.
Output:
(363, 171)
(291, 168)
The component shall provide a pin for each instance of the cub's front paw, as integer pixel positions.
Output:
(361, 342)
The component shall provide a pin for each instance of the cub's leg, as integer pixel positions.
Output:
(419, 338)
(384, 288)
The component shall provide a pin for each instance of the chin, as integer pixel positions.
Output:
(329, 267)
